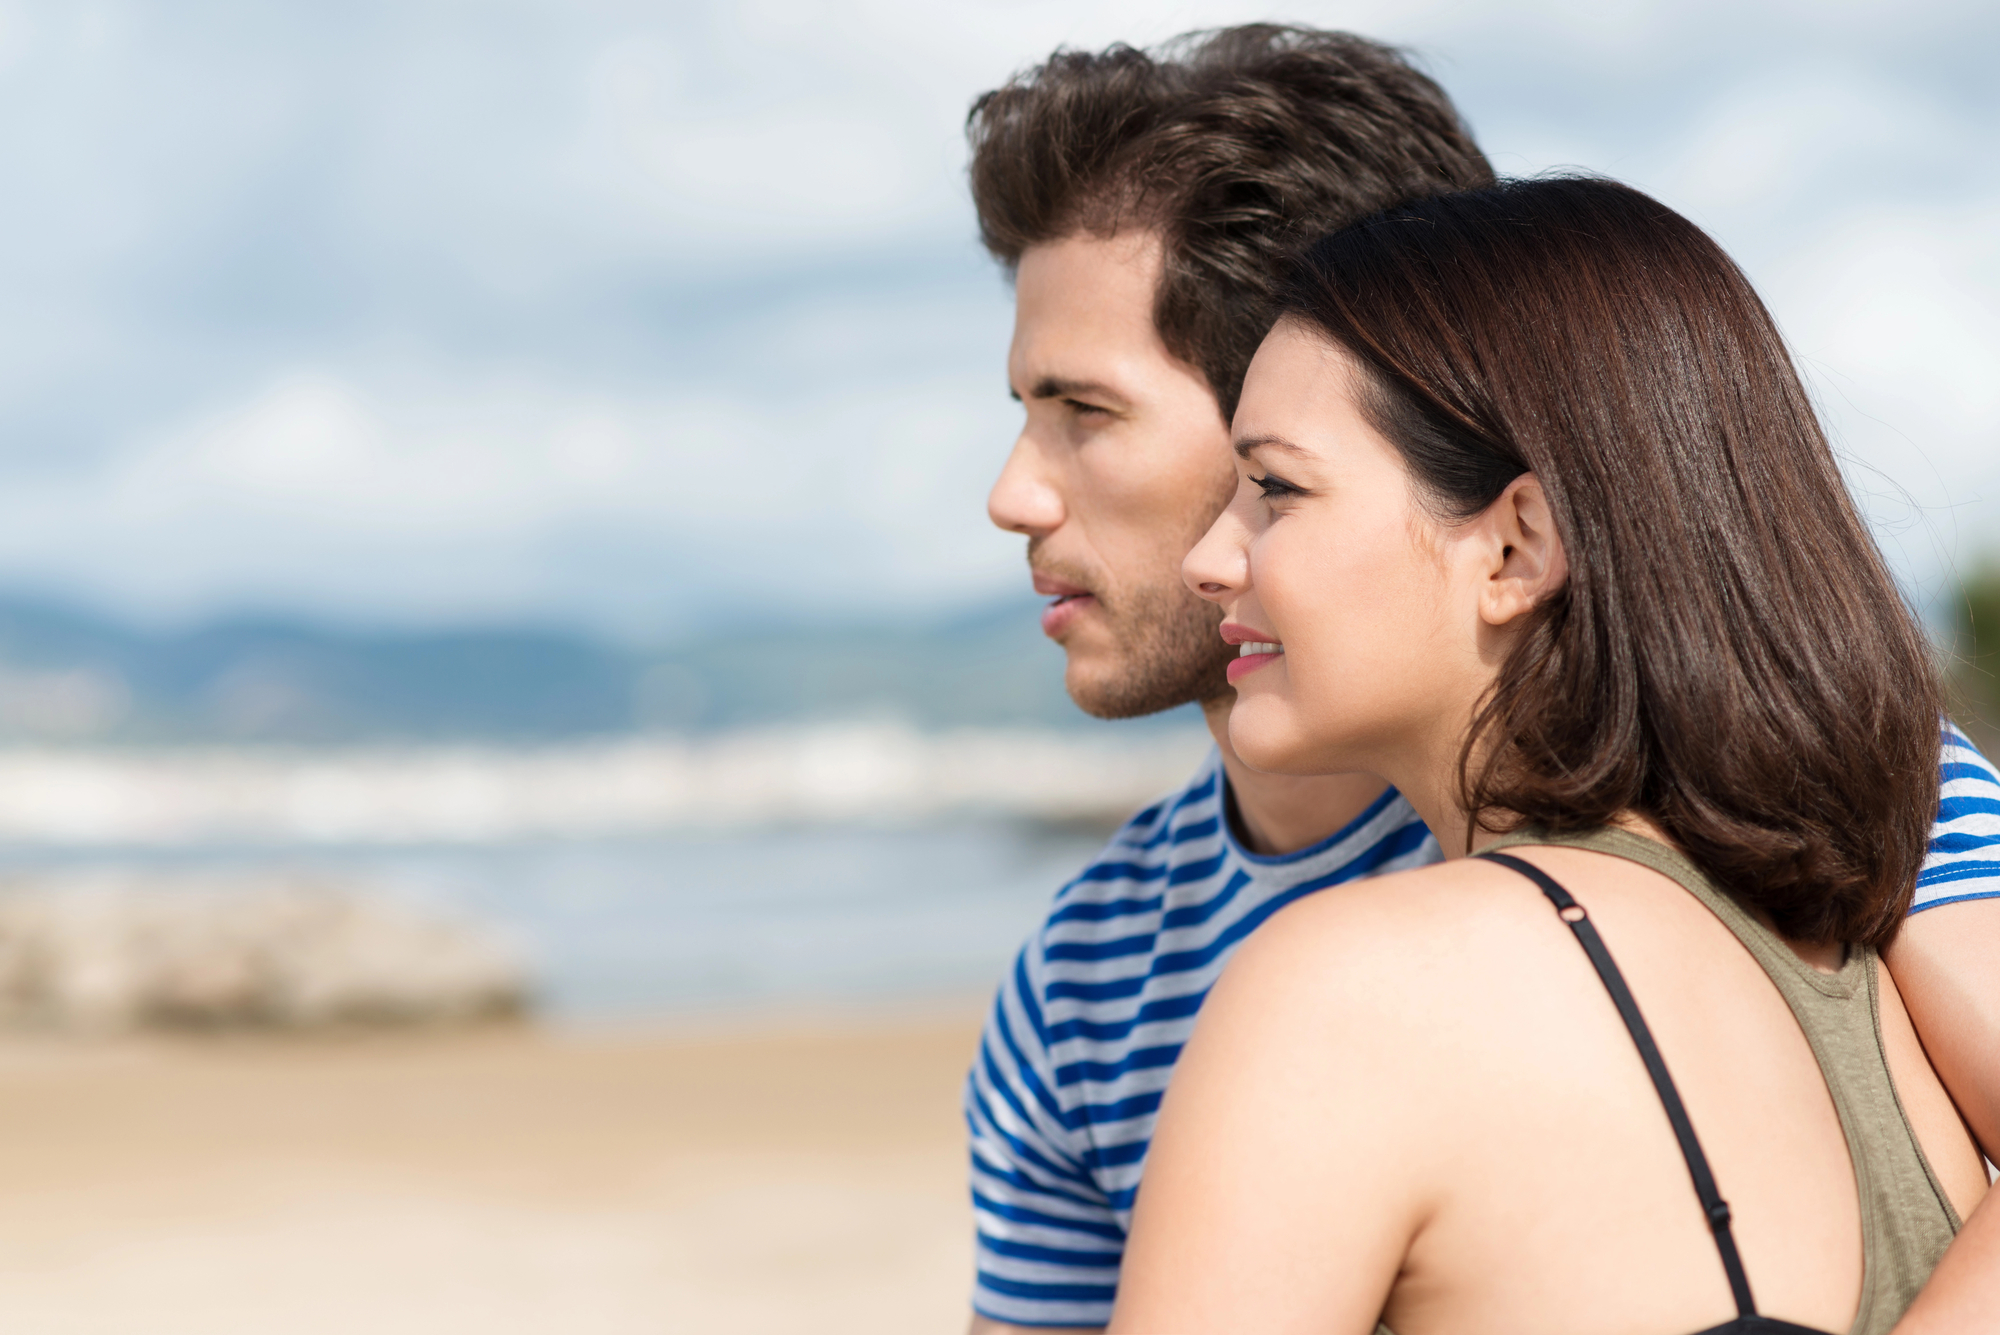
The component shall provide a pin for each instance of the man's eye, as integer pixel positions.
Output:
(1082, 409)
(1272, 485)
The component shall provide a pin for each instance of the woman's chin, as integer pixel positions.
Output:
(1270, 736)
(1267, 743)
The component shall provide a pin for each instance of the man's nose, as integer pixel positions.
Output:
(1023, 500)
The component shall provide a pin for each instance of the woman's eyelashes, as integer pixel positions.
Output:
(1273, 487)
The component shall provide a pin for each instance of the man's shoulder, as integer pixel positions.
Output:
(1185, 836)
(1964, 858)
(1174, 884)
(1182, 829)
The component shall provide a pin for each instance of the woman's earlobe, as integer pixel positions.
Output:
(1504, 600)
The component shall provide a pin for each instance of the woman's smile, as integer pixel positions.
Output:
(1254, 649)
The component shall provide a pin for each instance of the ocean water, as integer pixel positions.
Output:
(686, 923)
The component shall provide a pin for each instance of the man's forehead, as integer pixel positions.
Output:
(1083, 313)
(1083, 280)
(1072, 364)
(1137, 250)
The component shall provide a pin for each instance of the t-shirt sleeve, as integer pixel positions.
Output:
(1048, 1241)
(1964, 858)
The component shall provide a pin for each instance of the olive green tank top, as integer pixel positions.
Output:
(1906, 1219)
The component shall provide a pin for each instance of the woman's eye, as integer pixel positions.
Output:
(1272, 485)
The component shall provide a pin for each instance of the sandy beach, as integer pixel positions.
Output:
(803, 1175)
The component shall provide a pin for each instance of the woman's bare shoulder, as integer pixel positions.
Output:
(1446, 908)
(1409, 945)
(1428, 984)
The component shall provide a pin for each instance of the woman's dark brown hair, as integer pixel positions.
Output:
(1235, 145)
(1729, 656)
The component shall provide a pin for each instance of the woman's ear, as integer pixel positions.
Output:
(1527, 562)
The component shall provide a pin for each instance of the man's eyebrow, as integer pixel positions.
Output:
(1249, 443)
(1060, 387)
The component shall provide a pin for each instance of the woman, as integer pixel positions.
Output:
(1536, 522)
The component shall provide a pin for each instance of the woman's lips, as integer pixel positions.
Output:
(1243, 666)
(1255, 648)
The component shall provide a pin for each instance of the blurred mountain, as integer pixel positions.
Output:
(69, 674)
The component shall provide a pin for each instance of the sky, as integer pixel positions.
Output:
(666, 318)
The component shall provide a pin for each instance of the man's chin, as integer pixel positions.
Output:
(1093, 681)
(1114, 689)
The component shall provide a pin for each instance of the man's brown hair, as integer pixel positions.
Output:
(1729, 655)
(1234, 144)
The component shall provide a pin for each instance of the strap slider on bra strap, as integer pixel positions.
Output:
(1718, 1215)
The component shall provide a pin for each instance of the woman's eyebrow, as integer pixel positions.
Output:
(1248, 443)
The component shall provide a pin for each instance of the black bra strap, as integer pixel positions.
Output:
(1712, 1203)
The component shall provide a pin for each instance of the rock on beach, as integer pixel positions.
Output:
(109, 953)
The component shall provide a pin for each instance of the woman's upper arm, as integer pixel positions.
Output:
(1287, 1174)
(1946, 962)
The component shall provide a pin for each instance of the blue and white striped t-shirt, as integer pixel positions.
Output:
(1063, 1094)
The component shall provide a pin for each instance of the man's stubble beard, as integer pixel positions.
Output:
(1170, 655)
(1170, 651)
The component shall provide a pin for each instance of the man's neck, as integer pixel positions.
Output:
(1283, 813)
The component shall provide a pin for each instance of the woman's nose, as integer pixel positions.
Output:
(1218, 568)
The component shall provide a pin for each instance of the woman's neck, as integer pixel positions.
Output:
(1425, 771)
(1277, 814)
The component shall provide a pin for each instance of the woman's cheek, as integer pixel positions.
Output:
(1304, 603)
(1308, 595)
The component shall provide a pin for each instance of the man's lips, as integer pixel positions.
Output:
(1058, 614)
(1264, 649)
(1071, 600)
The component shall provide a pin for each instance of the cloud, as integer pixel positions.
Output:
(621, 312)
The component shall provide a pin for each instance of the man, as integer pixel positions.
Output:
(1143, 203)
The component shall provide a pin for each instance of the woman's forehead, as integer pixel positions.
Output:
(1298, 396)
